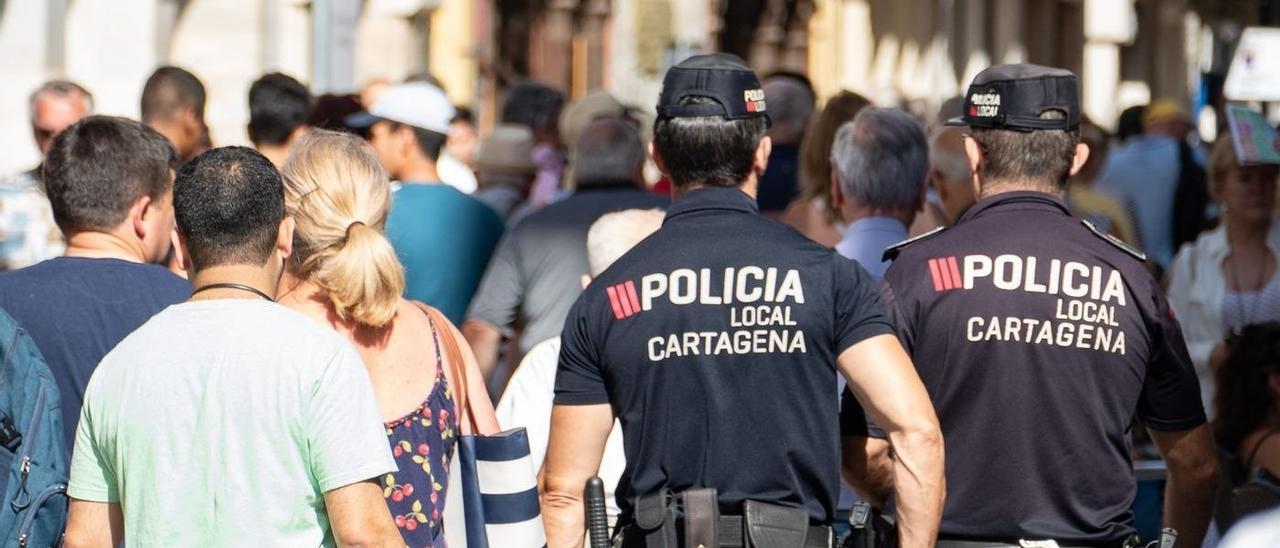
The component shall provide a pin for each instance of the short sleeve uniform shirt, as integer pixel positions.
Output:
(714, 341)
(1038, 340)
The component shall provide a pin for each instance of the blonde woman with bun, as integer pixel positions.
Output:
(345, 274)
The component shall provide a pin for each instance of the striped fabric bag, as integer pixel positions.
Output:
(492, 496)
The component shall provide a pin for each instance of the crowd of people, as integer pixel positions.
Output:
(250, 345)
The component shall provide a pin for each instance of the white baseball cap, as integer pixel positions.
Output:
(416, 104)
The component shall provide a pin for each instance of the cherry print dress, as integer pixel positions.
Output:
(422, 443)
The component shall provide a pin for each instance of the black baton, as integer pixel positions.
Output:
(597, 520)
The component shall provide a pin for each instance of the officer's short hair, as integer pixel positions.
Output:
(609, 152)
(707, 150)
(1043, 156)
(614, 234)
(881, 159)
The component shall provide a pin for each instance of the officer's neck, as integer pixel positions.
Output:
(749, 187)
(990, 189)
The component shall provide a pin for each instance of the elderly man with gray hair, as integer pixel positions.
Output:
(880, 164)
(28, 233)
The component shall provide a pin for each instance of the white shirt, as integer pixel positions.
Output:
(455, 174)
(527, 402)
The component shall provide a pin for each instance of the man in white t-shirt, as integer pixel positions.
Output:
(229, 420)
(528, 397)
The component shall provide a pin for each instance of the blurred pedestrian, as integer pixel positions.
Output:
(1040, 337)
(173, 103)
(28, 233)
(278, 110)
(535, 273)
(1227, 279)
(505, 170)
(457, 161)
(527, 400)
(1247, 422)
(331, 111)
(811, 212)
(1147, 173)
(881, 164)
(265, 415)
(791, 104)
(949, 176)
(1085, 201)
(537, 107)
(443, 237)
(110, 183)
(343, 274)
(725, 414)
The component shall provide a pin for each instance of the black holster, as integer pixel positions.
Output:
(693, 517)
(868, 528)
(655, 517)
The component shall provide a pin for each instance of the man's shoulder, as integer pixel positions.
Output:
(412, 200)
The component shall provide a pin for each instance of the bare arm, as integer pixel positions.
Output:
(1193, 481)
(94, 525)
(359, 516)
(484, 341)
(867, 465)
(884, 381)
(578, 435)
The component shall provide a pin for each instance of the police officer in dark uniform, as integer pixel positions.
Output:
(716, 342)
(1039, 337)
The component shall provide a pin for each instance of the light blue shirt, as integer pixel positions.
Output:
(1143, 176)
(866, 239)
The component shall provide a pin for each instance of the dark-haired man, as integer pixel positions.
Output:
(229, 420)
(173, 104)
(278, 110)
(1039, 336)
(443, 237)
(110, 183)
(717, 342)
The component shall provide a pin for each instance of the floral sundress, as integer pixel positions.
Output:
(422, 443)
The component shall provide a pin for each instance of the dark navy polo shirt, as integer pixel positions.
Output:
(1038, 341)
(714, 341)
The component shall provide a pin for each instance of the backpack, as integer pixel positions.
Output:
(33, 459)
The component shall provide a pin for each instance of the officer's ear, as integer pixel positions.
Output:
(763, 149)
(1082, 156)
(657, 158)
(973, 151)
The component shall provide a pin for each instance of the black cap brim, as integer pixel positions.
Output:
(957, 121)
(361, 120)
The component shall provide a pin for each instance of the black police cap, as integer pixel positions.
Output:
(1014, 96)
(722, 77)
